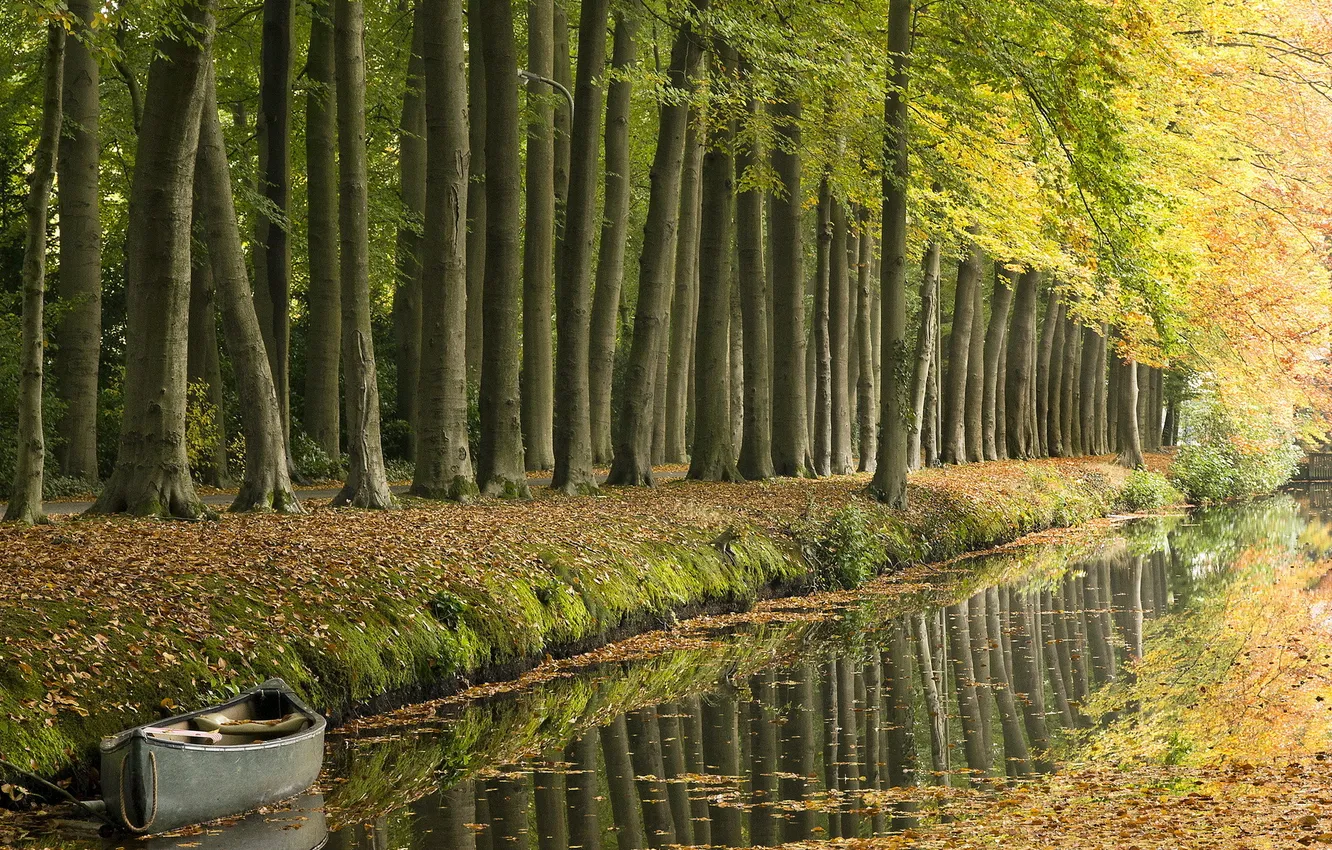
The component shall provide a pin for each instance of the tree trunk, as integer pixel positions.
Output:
(1043, 357)
(1021, 367)
(1054, 421)
(324, 324)
(889, 484)
(78, 334)
(152, 476)
(1029, 681)
(500, 470)
(573, 284)
(407, 305)
(477, 113)
(934, 705)
(1068, 404)
(693, 741)
(756, 438)
(205, 365)
(633, 455)
(25, 502)
(1087, 391)
(1130, 440)
(563, 123)
(764, 817)
(839, 309)
(367, 484)
(265, 484)
(822, 352)
(614, 231)
(790, 433)
(974, 408)
(954, 387)
(1016, 755)
(992, 404)
(901, 707)
(275, 186)
(443, 459)
(831, 749)
(848, 723)
(510, 810)
(867, 409)
(713, 455)
(924, 359)
(721, 750)
(537, 386)
(684, 302)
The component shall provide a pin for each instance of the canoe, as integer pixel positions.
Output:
(261, 747)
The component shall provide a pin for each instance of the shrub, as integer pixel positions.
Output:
(1233, 450)
(1146, 491)
(846, 551)
(395, 436)
(312, 462)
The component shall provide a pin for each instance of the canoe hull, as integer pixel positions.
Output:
(153, 785)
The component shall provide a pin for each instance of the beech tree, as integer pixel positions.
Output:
(151, 476)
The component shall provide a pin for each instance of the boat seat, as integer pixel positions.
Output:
(251, 729)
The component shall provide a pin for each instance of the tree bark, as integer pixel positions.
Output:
(367, 483)
(1054, 420)
(1130, 440)
(205, 365)
(562, 71)
(684, 302)
(713, 455)
(477, 111)
(756, 437)
(443, 458)
(1068, 404)
(573, 283)
(867, 410)
(974, 409)
(265, 484)
(790, 433)
(822, 423)
(633, 455)
(407, 306)
(25, 501)
(500, 469)
(614, 231)
(1021, 366)
(1043, 357)
(275, 186)
(324, 329)
(537, 385)
(152, 477)
(78, 334)
(889, 483)
(924, 359)
(992, 405)
(839, 310)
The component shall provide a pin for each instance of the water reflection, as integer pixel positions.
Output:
(804, 729)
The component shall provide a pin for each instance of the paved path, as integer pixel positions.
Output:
(223, 500)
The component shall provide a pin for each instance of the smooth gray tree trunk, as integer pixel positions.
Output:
(25, 501)
(633, 454)
(265, 483)
(274, 122)
(614, 233)
(756, 438)
(407, 307)
(924, 355)
(476, 187)
(839, 341)
(822, 352)
(992, 404)
(974, 408)
(78, 333)
(790, 431)
(500, 467)
(443, 457)
(1021, 367)
(323, 289)
(889, 483)
(367, 484)
(684, 303)
(867, 408)
(152, 476)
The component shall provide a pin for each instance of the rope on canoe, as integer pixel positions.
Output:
(124, 815)
(58, 790)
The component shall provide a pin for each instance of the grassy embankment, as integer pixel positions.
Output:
(102, 621)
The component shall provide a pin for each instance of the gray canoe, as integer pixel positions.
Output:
(165, 775)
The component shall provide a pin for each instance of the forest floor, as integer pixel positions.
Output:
(105, 621)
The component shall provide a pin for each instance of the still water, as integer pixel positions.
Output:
(802, 721)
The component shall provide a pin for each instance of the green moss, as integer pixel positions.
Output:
(402, 634)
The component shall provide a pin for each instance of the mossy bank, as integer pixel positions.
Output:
(104, 622)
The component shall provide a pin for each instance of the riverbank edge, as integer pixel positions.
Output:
(400, 649)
